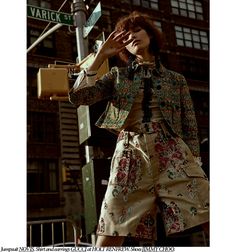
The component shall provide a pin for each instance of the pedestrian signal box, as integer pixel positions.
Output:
(52, 82)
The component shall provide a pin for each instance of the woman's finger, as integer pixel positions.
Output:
(112, 34)
(125, 43)
(121, 35)
(124, 37)
(115, 33)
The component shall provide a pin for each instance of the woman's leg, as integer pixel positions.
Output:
(109, 241)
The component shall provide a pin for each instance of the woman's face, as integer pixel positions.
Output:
(140, 43)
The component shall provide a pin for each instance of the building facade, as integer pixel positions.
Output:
(53, 148)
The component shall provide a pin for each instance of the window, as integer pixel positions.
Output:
(151, 4)
(106, 20)
(34, 35)
(42, 175)
(154, 4)
(137, 2)
(187, 8)
(196, 69)
(42, 127)
(191, 38)
(157, 24)
(46, 47)
(40, 3)
(32, 82)
(45, 4)
(33, 2)
(145, 4)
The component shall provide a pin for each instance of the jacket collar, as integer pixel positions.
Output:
(159, 69)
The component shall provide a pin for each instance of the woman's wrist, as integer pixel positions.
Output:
(90, 73)
(98, 60)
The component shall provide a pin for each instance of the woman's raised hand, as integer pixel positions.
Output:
(115, 43)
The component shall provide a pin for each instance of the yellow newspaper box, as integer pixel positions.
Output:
(52, 81)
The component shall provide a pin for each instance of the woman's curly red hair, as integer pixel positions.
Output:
(134, 20)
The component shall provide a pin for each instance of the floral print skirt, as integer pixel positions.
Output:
(149, 173)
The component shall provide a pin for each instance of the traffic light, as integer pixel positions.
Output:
(66, 174)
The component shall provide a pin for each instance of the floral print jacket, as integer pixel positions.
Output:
(172, 92)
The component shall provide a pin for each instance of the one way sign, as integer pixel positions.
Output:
(97, 12)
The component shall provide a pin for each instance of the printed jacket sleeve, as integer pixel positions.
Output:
(87, 90)
(189, 123)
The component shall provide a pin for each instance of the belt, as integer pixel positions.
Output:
(147, 127)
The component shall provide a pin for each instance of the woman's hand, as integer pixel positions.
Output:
(114, 44)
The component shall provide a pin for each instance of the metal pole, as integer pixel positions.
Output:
(79, 11)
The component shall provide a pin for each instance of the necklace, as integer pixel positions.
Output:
(146, 62)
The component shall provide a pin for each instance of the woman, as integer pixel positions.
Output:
(156, 160)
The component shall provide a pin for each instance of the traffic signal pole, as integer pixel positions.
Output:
(79, 11)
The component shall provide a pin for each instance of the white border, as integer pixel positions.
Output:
(222, 125)
(13, 124)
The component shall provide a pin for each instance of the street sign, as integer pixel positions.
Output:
(49, 15)
(97, 12)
